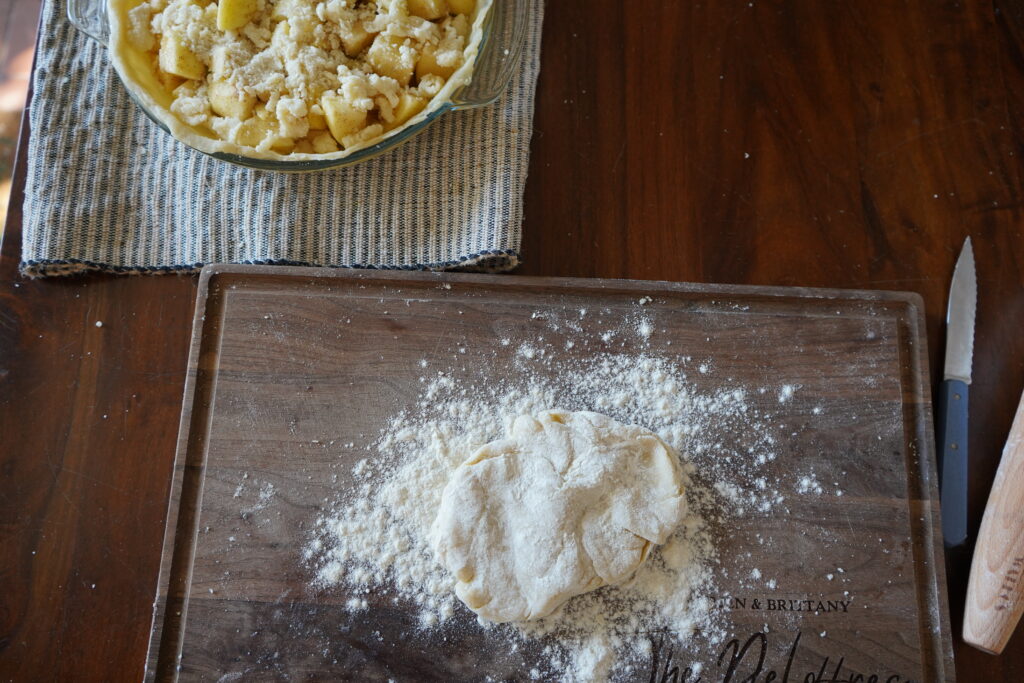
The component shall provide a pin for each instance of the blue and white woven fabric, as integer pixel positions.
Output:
(107, 190)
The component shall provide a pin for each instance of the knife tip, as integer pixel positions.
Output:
(966, 252)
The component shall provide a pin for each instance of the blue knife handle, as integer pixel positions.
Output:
(952, 433)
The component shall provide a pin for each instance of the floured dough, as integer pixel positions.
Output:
(567, 503)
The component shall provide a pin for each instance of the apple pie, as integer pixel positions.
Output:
(281, 78)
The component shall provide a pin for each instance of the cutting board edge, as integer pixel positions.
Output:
(158, 637)
(927, 468)
(212, 271)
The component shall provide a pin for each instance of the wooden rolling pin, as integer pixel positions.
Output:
(995, 593)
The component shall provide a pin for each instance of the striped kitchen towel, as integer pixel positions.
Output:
(107, 190)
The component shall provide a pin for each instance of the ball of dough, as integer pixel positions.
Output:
(567, 503)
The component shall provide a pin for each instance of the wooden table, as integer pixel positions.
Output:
(775, 143)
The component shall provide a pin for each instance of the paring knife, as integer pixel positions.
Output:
(952, 414)
(995, 594)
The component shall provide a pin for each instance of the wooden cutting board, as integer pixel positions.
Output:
(289, 366)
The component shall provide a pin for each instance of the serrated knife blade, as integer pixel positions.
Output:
(963, 300)
(951, 427)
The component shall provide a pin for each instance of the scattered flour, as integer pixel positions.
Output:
(809, 484)
(263, 498)
(374, 538)
(528, 352)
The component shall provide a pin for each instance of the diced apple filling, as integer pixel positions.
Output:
(390, 56)
(427, 65)
(226, 100)
(428, 9)
(408, 107)
(177, 59)
(301, 76)
(232, 14)
(343, 118)
(356, 39)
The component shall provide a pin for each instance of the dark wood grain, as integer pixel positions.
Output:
(879, 135)
(287, 364)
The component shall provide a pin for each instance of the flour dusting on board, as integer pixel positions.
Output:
(374, 539)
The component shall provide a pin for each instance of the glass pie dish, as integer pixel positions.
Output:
(500, 47)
